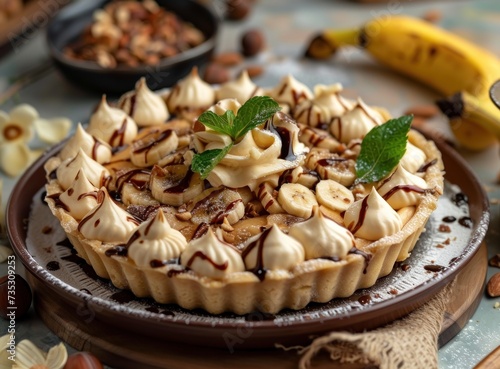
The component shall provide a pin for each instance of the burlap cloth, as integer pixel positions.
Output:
(411, 342)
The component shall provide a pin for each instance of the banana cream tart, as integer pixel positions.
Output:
(240, 198)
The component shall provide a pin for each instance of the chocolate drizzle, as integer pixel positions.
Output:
(466, 222)
(259, 269)
(146, 148)
(406, 188)
(133, 101)
(183, 184)
(286, 141)
(57, 201)
(330, 161)
(203, 256)
(449, 219)
(128, 177)
(119, 250)
(119, 134)
(426, 166)
(366, 256)
(434, 268)
(362, 214)
(460, 199)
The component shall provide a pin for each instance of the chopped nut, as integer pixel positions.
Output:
(432, 15)
(229, 237)
(237, 9)
(252, 42)
(105, 59)
(228, 58)
(423, 111)
(444, 228)
(185, 216)
(418, 121)
(497, 305)
(493, 287)
(144, 30)
(226, 226)
(216, 74)
(495, 261)
(254, 70)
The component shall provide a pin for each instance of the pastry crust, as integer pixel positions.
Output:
(316, 280)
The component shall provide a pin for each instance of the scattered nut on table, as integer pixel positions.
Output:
(495, 261)
(83, 360)
(252, 42)
(493, 286)
(23, 296)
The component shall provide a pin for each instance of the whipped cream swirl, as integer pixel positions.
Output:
(144, 106)
(322, 237)
(80, 198)
(272, 250)
(112, 125)
(154, 242)
(402, 188)
(209, 256)
(108, 222)
(67, 171)
(372, 217)
(261, 155)
(95, 148)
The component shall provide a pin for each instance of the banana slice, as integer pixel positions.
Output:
(135, 192)
(297, 199)
(305, 177)
(332, 166)
(312, 137)
(268, 198)
(215, 204)
(333, 195)
(153, 147)
(175, 184)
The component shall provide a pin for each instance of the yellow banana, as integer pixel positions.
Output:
(442, 60)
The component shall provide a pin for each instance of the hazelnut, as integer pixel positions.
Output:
(423, 111)
(228, 58)
(252, 42)
(495, 261)
(493, 286)
(216, 74)
(83, 360)
(432, 15)
(237, 9)
(254, 70)
(21, 297)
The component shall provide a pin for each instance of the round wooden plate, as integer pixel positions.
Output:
(120, 349)
(98, 304)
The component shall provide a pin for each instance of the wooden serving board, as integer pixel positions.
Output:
(122, 350)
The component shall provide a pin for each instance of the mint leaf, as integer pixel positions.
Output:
(382, 149)
(219, 123)
(253, 113)
(206, 161)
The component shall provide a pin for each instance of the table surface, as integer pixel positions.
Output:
(288, 25)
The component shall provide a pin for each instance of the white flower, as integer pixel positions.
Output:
(17, 129)
(2, 224)
(28, 356)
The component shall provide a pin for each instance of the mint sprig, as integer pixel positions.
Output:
(206, 161)
(251, 114)
(381, 149)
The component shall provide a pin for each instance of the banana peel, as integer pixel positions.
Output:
(458, 69)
